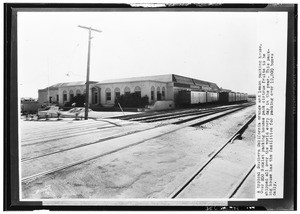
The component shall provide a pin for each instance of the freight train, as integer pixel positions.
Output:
(185, 97)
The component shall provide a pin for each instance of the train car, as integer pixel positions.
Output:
(231, 97)
(223, 97)
(226, 97)
(186, 97)
(243, 97)
(198, 97)
(183, 98)
(237, 96)
(212, 97)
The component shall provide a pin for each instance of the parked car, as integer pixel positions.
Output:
(49, 111)
(79, 111)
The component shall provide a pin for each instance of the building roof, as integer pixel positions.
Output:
(161, 78)
(225, 90)
(166, 78)
(67, 84)
(191, 81)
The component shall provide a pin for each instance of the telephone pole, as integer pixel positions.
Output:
(88, 71)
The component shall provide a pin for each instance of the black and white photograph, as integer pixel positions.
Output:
(143, 106)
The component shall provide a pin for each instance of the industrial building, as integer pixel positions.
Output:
(162, 88)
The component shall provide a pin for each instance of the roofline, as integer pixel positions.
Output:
(100, 83)
(197, 79)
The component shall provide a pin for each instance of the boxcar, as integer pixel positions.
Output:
(226, 97)
(184, 97)
(212, 97)
(237, 96)
(231, 97)
(198, 97)
(242, 97)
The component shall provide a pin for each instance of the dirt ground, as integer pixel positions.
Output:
(152, 169)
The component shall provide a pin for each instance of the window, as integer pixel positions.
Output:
(127, 90)
(57, 98)
(71, 95)
(65, 96)
(50, 99)
(152, 92)
(78, 92)
(163, 93)
(95, 98)
(108, 94)
(137, 91)
(117, 93)
(158, 94)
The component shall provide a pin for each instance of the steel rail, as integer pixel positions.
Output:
(200, 123)
(237, 187)
(33, 177)
(200, 114)
(188, 181)
(179, 114)
(86, 144)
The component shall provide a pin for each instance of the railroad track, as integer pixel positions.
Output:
(173, 115)
(82, 145)
(63, 127)
(195, 115)
(137, 117)
(146, 114)
(70, 129)
(85, 129)
(94, 147)
(170, 116)
(185, 185)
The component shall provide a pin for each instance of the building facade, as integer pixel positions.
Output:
(104, 93)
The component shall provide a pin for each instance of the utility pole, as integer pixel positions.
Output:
(88, 71)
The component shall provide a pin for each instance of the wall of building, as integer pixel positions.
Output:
(145, 87)
(68, 90)
(170, 91)
(98, 96)
(45, 94)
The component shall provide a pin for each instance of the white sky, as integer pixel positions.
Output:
(220, 47)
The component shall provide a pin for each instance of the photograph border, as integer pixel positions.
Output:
(11, 126)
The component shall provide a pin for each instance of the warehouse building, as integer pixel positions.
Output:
(161, 89)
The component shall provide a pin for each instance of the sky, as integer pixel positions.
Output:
(219, 47)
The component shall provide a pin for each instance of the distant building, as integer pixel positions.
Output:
(29, 105)
(160, 87)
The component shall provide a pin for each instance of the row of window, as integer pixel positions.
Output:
(137, 90)
(71, 93)
(159, 94)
